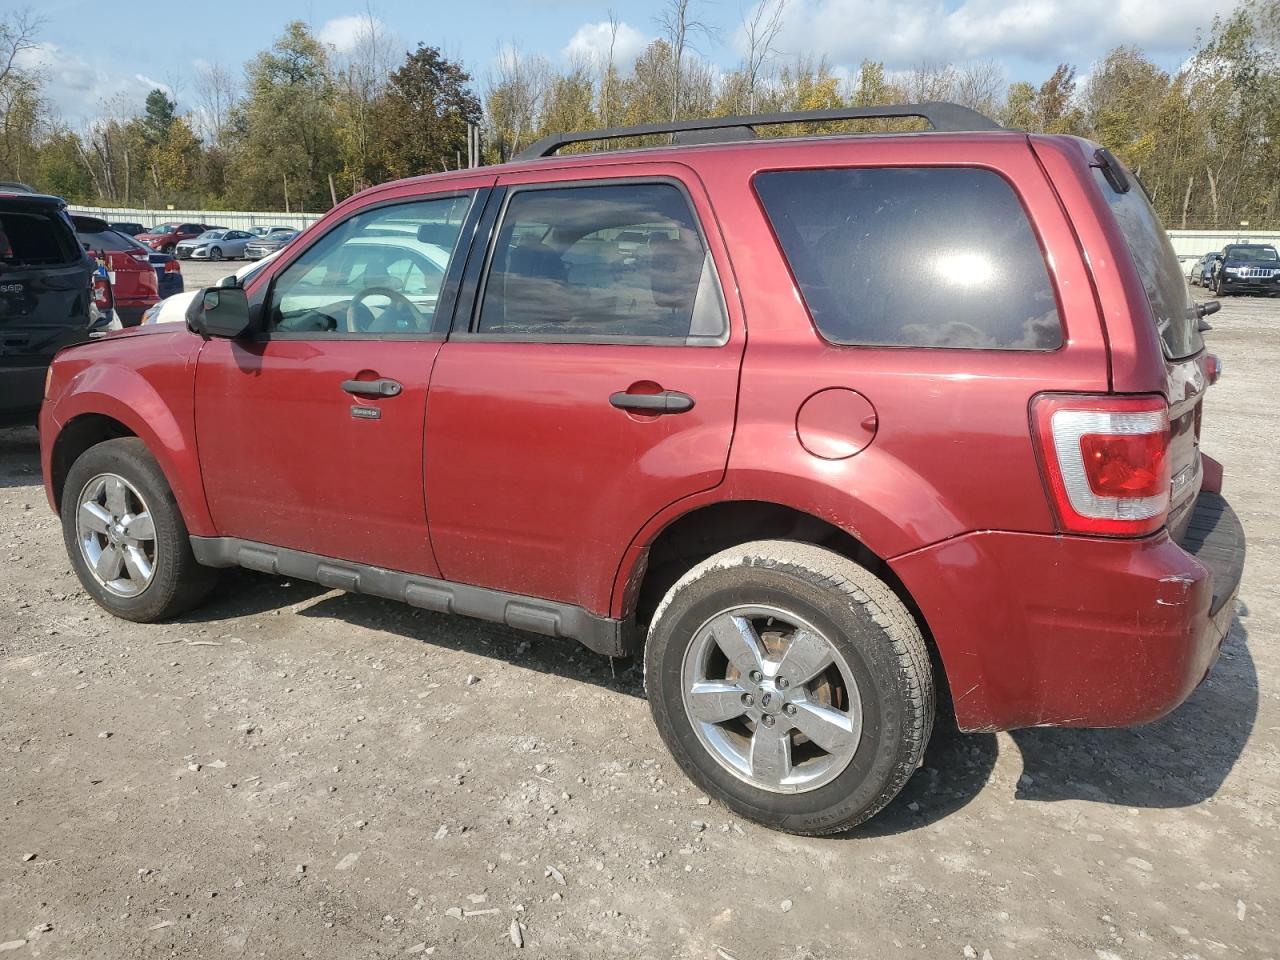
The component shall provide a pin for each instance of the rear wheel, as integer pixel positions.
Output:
(125, 535)
(791, 684)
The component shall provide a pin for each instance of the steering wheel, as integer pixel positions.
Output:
(353, 316)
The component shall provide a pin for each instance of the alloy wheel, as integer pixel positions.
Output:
(117, 535)
(772, 699)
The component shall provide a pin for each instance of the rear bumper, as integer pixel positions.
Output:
(1078, 631)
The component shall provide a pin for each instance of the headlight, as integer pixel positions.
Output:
(1231, 269)
(147, 314)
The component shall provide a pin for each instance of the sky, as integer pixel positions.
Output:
(94, 52)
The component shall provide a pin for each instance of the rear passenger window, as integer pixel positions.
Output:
(609, 262)
(924, 257)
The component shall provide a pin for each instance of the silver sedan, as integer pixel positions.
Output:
(215, 245)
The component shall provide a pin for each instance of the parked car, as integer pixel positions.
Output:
(216, 244)
(15, 186)
(46, 296)
(1247, 268)
(267, 231)
(165, 237)
(1202, 269)
(169, 280)
(133, 279)
(128, 228)
(582, 441)
(273, 242)
(173, 309)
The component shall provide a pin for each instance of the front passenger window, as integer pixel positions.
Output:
(378, 273)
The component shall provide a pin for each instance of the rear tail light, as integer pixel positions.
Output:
(1105, 460)
(102, 295)
(173, 267)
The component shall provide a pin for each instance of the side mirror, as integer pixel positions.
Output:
(228, 283)
(219, 312)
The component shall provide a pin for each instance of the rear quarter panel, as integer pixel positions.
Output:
(952, 451)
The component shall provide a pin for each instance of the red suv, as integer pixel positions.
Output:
(830, 429)
(165, 237)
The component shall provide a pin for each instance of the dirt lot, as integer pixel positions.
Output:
(302, 773)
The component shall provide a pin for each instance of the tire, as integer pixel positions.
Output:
(870, 638)
(215, 253)
(176, 582)
(1217, 286)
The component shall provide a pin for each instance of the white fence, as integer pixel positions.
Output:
(1198, 242)
(232, 219)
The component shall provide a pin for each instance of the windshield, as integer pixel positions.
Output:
(1254, 253)
(163, 228)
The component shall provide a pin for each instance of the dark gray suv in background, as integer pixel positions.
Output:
(46, 297)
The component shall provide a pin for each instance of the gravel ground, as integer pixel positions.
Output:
(296, 772)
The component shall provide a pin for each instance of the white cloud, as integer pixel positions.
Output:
(1036, 30)
(591, 43)
(344, 34)
(80, 91)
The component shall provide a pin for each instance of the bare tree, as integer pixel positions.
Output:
(980, 85)
(515, 92)
(761, 29)
(216, 92)
(607, 76)
(18, 32)
(681, 29)
(931, 80)
(360, 74)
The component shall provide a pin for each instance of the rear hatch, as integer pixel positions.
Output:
(44, 280)
(1178, 322)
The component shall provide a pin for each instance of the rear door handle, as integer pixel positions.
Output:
(371, 388)
(668, 401)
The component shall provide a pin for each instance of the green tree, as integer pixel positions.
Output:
(421, 120)
(158, 115)
(285, 142)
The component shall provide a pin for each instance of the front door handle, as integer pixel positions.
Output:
(668, 401)
(371, 388)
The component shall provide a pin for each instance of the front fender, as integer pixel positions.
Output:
(152, 398)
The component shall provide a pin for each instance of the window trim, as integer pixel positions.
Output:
(1026, 212)
(465, 326)
(449, 286)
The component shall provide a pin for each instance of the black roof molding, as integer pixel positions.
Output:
(943, 117)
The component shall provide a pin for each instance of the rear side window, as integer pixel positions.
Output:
(35, 238)
(913, 257)
(606, 262)
(1158, 267)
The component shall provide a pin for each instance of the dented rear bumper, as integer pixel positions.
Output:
(1038, 629)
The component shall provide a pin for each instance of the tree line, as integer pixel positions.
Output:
(306, 123)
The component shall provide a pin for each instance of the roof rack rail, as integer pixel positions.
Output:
(941, 116)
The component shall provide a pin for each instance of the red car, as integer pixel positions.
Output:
(134, 284)
(165, 237)
(823, 428)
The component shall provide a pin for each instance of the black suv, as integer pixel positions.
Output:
(46, 297)
(1247, 268)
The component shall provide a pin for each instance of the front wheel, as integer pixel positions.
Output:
(126, 537)
(1218, 285)
(215, 253)
(791, 684)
